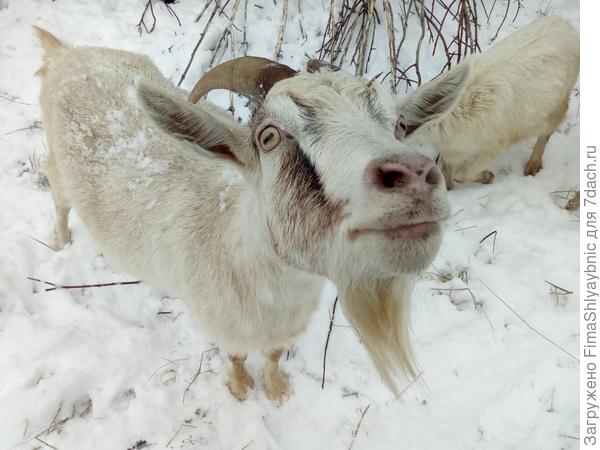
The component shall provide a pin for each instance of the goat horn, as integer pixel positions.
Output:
(250, 76)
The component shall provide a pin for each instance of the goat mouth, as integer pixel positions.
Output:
(412, 231)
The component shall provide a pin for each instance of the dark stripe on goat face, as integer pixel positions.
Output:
(299, 175)
(302, 204)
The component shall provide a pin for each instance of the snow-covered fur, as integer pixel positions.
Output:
(517, 90)
(245, 221)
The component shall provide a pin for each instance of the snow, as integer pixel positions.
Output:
(115, 367)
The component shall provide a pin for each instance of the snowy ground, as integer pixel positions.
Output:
(108, 368)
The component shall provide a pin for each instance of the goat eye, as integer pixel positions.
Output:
(401, 128)
(269, 138)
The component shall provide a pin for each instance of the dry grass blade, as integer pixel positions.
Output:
(41, 441)
(493, 233)
(357, 428)
(14, 100)
(477, 305)
(528, 325)
(559, 290)
(36, 125)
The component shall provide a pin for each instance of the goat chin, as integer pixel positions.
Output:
(379, 311)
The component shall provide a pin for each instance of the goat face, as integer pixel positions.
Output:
(338, 192)
(343, 196)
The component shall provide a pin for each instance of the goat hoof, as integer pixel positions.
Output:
(240, 386)
(60, 241)
(277, 387)
(532, 168)
(486, 177)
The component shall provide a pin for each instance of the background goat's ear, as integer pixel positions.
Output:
(431, 101)
(318, 65)
(214, 135)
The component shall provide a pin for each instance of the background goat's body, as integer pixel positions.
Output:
(141, 200)
(517, 90)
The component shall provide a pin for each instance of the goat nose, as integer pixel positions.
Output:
(389, 174)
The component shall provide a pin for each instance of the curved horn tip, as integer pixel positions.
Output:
(250, 76)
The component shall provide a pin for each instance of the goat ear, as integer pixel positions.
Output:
(213, 134)
(431, 101)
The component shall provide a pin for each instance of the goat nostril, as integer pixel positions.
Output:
(419, 172)
(392, 178)
(433, 176)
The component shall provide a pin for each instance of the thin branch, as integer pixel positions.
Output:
(199, 16)
(142, 21)
(198, 373)
(55, 287)
(281, 30)
(327, 341)
(202, 35)
(172, 12)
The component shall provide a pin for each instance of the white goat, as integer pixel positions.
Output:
(244, 221)
(517, 90)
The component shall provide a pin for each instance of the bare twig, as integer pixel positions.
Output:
(219, 50)
(172, 11)
(43, 243)
(332, 318)
(281, 31)
(142, 21)
(199, 16)
(245, 40)
(198, 373)
(55, 287)
(202, 35)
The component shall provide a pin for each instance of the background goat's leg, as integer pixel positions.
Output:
(240, 381)
(535, 161)
(473, 168)
(276, 383)
(447, 173)
(62, 234)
